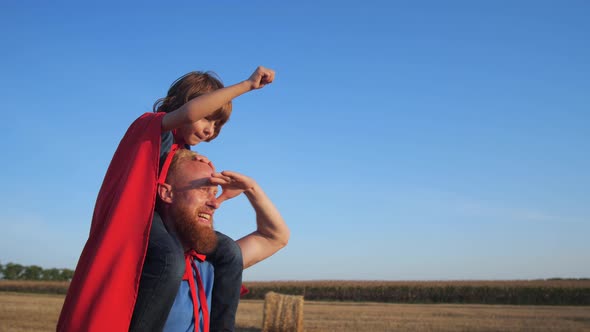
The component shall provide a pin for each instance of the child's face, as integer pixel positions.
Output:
(197, 132)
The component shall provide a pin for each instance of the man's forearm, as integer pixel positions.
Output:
(272, 233)
(269, 221)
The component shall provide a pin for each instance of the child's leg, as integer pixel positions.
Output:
(228, 264)
(160, 278)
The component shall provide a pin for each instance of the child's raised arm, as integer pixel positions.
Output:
(208, 103)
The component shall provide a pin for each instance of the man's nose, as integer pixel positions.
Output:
(212, 202)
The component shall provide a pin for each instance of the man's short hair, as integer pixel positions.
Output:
(180, 157)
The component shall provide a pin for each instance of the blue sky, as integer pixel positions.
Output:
(401, 140)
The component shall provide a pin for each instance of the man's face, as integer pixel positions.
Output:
(193, 205)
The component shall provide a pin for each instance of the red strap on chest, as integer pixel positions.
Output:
(201, 304)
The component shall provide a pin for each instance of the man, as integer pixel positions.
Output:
(187, 202)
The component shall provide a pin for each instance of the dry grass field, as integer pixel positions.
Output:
(38, 312)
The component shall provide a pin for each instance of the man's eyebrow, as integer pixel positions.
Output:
(195, 184)
(198, 187)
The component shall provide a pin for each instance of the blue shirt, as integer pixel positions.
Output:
(181, 316)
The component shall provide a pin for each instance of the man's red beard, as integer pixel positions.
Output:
(193, 234)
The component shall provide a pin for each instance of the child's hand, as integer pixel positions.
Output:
(261, 77)
(232, 184)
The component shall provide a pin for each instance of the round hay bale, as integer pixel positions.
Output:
(282, 313)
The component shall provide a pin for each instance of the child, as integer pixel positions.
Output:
(103, 294)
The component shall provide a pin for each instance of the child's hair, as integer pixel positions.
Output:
(191, 86)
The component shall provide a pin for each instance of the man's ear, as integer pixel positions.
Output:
(165, 192)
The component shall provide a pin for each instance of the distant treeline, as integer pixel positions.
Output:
(13, 271)
(537, 292)
(517, 292)
(38, 287)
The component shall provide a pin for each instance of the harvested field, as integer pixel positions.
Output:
(37, 312)
(25, 312)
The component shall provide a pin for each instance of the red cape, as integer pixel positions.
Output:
(102, 294)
